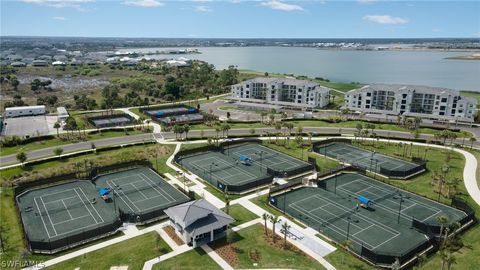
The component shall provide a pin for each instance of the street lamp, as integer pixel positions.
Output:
(348, 226)
(375, 172)
(212, 164)
(400, 207)
(260, 153)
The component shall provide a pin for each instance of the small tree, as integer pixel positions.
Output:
(274, 219)
(472, 140)
(58, 151)
(443, 220)
(252, 131)
(265, 217)
(186, 129)
(285, 228)
(57, 126)
(21, 157)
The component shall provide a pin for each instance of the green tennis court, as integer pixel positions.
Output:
(140, 191)
(225, 167)
(65, 215)
(380, 228)
(59, 215)
(370, 160)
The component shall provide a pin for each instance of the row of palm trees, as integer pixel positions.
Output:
(274, 220)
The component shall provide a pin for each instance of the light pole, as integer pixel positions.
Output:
(348, 226)
(371, 161)
(335, 190)
(260, 153)
(400, 208)
(212, 164)
(375, 172)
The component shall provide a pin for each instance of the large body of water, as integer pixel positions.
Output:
(405, 67)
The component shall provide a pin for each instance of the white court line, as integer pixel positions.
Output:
(138, 190)
(93, 206)
(48, 214)
(86, 206)
(241, 171)
(282, 159)
(364, 229)
(64, 205)
(124, 195)
(65, 221)
(157, 187)
(61, 191)
(49, 202)
(320, 207)
(41, 216)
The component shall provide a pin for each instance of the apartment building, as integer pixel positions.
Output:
(285, 92)
(412, 100)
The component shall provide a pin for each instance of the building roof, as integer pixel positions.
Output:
(25, 108)
(288, 81)
(62, 111)
(197, 217)
(406, 87)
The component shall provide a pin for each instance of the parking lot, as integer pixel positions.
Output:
(29, 126)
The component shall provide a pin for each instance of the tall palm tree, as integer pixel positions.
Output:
(265, 217)
(274, 219)
(450, 260)
(472, 140)
(285, 228)
(57, 126)
(442, 220)
(186, 129)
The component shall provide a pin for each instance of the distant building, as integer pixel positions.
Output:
(412, 100)
(62, 114)
(18, 64)
(282, 91)
(24, 111)
(178, 63)
(198, 222)
(39, 63)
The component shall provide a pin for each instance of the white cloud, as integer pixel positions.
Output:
(274, 4)
(385, 19)
(143, 3)
(477, 34)
(58, 18)
(436, 30)
(59, 3)
(203, 9)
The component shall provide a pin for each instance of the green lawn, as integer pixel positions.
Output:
(190, 260)
(240, 214)
(219, 194)
(344, 124)
(253, 238)
(99, 158)
(295, 151)
(58, 142)
(472, 94)
(342, 259)
(133, 252)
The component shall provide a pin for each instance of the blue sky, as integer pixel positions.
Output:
(240, 19)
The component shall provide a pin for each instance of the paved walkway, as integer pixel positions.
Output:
(221, 262)
(182, 249)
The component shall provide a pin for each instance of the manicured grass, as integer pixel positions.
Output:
(295, 151)
(58, 142)
(190, 260)
(342, 259)
(217, 193)
(253, 238)
(262, 202)
(240, 214)
(132, 252)
(112, 156)
(344, 124)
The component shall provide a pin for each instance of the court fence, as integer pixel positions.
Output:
(462, 205)
(86, 235)
(92, 119)
(387, 259)
(288, 185)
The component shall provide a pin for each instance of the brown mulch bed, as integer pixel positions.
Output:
(228, 251)
(279, 242)
(171, 232)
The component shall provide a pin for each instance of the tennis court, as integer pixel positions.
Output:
(65, 215)
(110, 122)
(370, 160)
(58, 214)
(379, 227)
(225, 167)
(141, 191)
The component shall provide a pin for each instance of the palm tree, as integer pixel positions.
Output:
(252, 131)
(186, 129)
(271, 117)
(472, 140)
(443, 255)
(443, 220)
(421, 258)
(285, 228)
(265, 217)
(274, 219)
(225, 128)
(450, 260)
(278, 127)
(57, 126)
(299, 129)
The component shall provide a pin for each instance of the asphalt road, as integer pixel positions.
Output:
(45, 152)
(11, 159)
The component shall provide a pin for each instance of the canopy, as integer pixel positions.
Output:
(103, 191)
(244, 158)
(363, 200)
